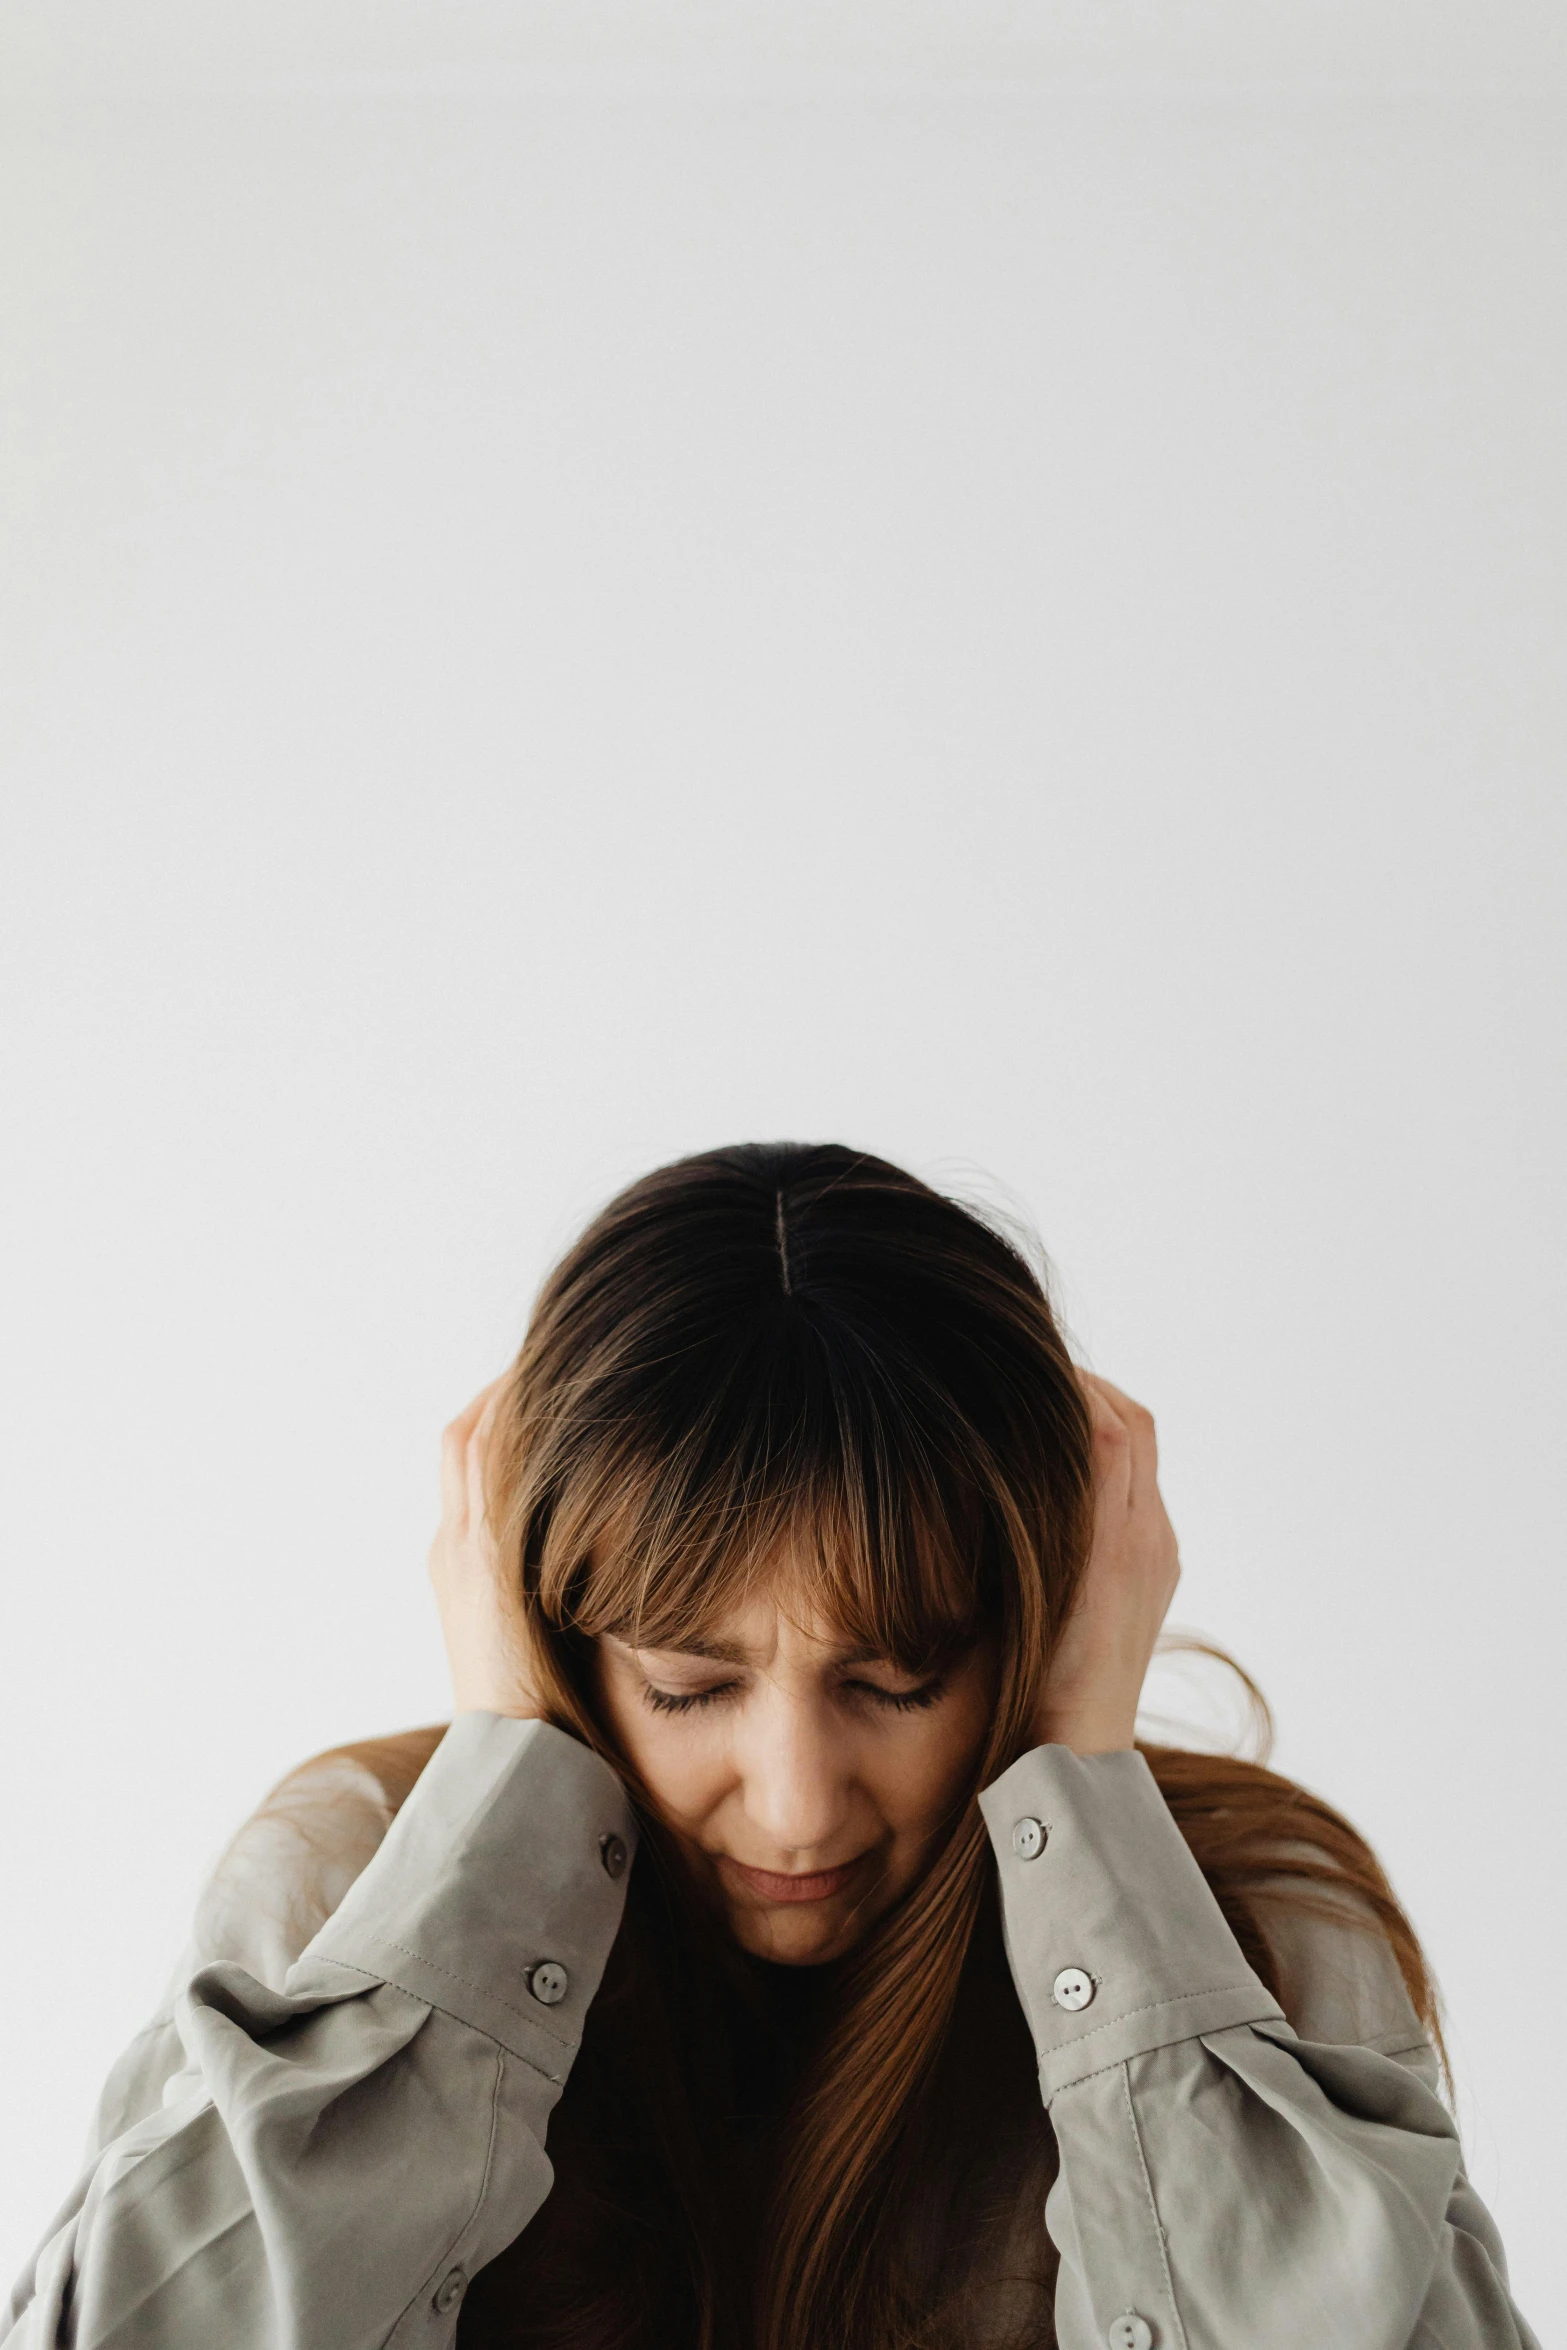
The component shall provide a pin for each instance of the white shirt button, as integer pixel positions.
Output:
(612, 1852)
(1130, 2333)
(449, 2291)
(1073, 1989)
(549, 1983)
(1028, 1839)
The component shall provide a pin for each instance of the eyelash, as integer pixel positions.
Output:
(903, 1701)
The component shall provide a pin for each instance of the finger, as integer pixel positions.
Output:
(1136, 1415)
(479, 1449)
(454, 1473)
(1112, 1442)
(1142, 1440)
(454, 1456)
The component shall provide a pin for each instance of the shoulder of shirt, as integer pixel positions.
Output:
(290, 1864)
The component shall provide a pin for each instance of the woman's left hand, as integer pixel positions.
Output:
(1091, 1697)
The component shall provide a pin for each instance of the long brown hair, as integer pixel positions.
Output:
(780, 1341)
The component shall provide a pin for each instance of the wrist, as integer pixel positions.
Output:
(1088, 1733)
(495, 1693)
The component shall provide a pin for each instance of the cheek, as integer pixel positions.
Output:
(681, 1764)
(921, 1776)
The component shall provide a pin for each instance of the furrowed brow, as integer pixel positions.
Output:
(718, 1652)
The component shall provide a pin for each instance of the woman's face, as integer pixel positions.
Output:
(808, 1783)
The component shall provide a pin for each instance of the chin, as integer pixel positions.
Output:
(789, 1939)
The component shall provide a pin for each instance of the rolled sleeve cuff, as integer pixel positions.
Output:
(1098, 1883)
(511, 1856)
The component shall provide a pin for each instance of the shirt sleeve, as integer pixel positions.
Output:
(1222, 2181)
(331, 2162)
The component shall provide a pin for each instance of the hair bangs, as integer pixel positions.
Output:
(802, 1475)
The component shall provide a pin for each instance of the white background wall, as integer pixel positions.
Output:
(583, 584)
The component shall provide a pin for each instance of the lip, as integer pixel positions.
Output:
(771, 1885)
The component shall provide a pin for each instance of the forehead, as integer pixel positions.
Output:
(765, 1624)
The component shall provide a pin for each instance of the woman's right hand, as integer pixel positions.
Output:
(488, 1646)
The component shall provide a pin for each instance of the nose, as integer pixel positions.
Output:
(796, 1781)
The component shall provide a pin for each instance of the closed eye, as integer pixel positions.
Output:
(670, 1701)
(902, 1701)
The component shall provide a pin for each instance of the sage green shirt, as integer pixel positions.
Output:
(339, 2115)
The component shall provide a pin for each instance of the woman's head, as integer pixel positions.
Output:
(796, 1473)
(795, 1438)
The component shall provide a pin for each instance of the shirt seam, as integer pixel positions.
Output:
(1379, 2044)
(521, 2013)
(1398, 2047)
(1151, 2007)
(1153, 2207)
(501, 2054)
(1113, 2063)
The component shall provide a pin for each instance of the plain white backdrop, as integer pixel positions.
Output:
(581, 584)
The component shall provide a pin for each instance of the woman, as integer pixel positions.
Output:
(790, 1866)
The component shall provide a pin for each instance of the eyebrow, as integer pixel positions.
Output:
(719, 1652)
(729, 1652)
